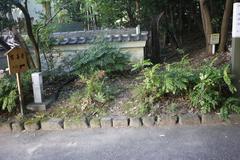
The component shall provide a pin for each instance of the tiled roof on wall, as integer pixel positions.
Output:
(110, 38)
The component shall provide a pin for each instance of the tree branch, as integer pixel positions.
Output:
(30, 33)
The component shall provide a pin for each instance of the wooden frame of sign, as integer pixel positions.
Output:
(17, 63)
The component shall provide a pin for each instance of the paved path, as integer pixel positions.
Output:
(180, 143)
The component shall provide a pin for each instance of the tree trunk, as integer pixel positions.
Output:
(225, 25)
(47, 8)
(138, 17)
(132, 20)
(30, 34)
(22, 43)
(207, 26)
(153, 42)
(180, 37)
(18, 38)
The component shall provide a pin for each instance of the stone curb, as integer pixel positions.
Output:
(54, 124)
(189, 119)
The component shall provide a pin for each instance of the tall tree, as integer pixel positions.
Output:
(206, 22)
(225, 25)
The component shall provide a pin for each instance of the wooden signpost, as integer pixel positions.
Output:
(214, 39)
(17, 63)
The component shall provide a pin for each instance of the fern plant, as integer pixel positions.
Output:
(139, 66)
(101, 56)
(159, 81)
(230, 105)
(207, 93)
(177, 77)
(94, 89)
(8, 93)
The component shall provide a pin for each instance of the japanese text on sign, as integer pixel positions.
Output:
(214, 39)
(17, 60)
(236, 21)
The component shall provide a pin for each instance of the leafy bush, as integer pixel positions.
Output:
(169, 79)
(95, 86)
(101, 56)
(91, 101)
(208, 87)
(139, 66)
(177, 77)
(207, 93)
(160, 81)
(8, 93)
(230, 105)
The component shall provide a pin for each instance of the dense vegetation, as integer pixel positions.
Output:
(207, 88)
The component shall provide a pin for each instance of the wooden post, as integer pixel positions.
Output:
(20, 93)
(17, 63)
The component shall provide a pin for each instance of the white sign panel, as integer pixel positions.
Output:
(214, 39)
(236, 21)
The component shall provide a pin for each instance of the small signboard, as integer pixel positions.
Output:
(214, 39)
(17, 60)
(236, 21)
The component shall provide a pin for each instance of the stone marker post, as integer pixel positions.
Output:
(37, 83)
(236, 43)
(138, 29)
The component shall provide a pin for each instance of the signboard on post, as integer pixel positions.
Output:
(17, 60)
(214, 39)
(17, 63)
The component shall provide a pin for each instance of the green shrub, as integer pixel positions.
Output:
(8, 93)
(177, 77)
(209, 88)
(92, 100)
(160, 81)
(170, 79)
(139, 66)
(94, 89)
(230, 105)
(101, 56)
(207, 94)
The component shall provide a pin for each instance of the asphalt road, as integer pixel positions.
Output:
(180, 143)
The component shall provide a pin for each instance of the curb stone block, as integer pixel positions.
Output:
(17, 127)
(120, 122)
(52, 124)
(106, 122)
(32, 126)
(148, 121)
(72, 124)
(166, 120)
(95, 123)
(211, 119)
(5, 128)
(234, 119)
(189, 119)
(135, 122)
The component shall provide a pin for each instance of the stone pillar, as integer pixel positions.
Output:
(138, 29)
(37, 83)
(236, 44)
